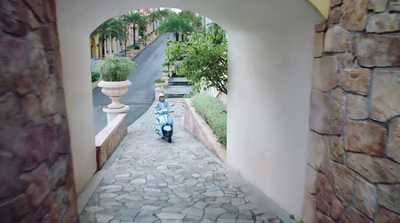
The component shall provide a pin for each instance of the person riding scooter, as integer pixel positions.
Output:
(162, 103)
(164, 120)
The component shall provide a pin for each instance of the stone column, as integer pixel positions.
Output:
(109, 47)
(114, 45)
(113, 112)
(158, 90)
(165, 77)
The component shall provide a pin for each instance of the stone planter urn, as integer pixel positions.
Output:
(165, 77)
(114, 90)
(158, 90)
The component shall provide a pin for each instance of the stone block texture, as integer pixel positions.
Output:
(36, 176)
(353, 160)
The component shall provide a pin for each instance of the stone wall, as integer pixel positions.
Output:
(353, 172)
(108, 139)
(36, 176)
(198, 128)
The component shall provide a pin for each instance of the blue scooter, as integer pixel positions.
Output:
(165, 124)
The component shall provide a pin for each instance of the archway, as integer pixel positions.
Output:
(270, 53)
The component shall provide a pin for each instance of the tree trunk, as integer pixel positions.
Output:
(153, 25)
(182, 37)
(134, 34)
(177, 36)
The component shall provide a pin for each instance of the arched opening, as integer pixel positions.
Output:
(270, 53)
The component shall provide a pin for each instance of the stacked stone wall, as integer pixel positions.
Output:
(353, 171)
(36, 177)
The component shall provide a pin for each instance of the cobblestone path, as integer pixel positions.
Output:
(153, 181)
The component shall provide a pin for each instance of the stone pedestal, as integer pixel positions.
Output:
(158, 90)
(113, 112)
(165, 77)
(171, 70)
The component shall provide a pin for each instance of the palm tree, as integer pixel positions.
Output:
(110, 28)
(165, 13)
(117, 29)
(191, 18)
(142, 24)
(176, 25)
(154, 16)
(133, 18)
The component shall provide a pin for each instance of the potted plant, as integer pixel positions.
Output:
(115, 71)
(159, 82)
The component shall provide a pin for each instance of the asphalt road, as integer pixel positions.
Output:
(140, 95)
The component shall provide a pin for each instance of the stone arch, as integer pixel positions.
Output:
(270, 51)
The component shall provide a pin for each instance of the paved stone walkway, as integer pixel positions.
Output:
(153, 181)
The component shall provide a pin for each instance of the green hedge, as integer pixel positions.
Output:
(214, 112)
(135, 47)
(95, 76)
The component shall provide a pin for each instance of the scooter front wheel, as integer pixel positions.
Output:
(169, 137)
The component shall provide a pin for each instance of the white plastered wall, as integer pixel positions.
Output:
(270, 63)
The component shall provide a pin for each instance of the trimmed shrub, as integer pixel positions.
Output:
(134, 47)
(215, 114)
(95, 76)
(114, 68)
(158, 81)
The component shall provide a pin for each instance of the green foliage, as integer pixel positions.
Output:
(134, 18)
(293, 218)
(142, 23)
(176, 24)
(95, 76)
(190, 94)
(134, 47)
(194, 92)
(159, 81)
(215, 114)
(112, 28)
(154, 16)
(191, 18)
(175, 51)
(206, 59)
(165, 13)
(115, 68)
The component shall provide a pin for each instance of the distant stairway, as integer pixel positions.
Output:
(177, 88)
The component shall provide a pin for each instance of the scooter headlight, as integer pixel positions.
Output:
(165, 110)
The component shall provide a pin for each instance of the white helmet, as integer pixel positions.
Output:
(161, 95)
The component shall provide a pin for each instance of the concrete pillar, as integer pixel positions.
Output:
(113, 112)
(165, 77)
(113, 46)
(158, 90)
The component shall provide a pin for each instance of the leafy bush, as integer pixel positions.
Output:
(215, 114)
(159, 81)
(194, 92)
(95, 76)
(115, 68)
(175, 52)
(134, 47)
(205, 59)
(190, 94)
